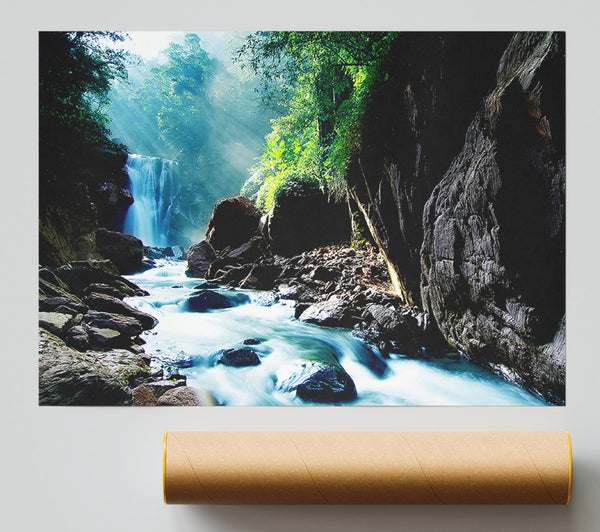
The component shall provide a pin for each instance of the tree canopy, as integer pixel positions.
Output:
(322, 82)
(76, 70)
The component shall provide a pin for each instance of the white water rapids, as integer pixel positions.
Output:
(191, 339)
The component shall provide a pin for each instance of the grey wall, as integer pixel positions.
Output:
(99, 469)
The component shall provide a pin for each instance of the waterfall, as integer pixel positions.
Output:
(154, 184)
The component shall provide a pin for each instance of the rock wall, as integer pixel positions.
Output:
(71, 209)
(466, 193)
(494, 227)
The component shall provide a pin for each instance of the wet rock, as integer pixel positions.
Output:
(106, 303)
(68, 377)
(186, 396)
(206, 284)
(206, 300)
(316, 382)
(252, 341)
(238, 358)
(199, 257)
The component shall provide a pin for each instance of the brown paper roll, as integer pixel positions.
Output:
(367, 467)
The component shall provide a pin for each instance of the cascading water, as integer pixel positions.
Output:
(154, 184)
(189, 340)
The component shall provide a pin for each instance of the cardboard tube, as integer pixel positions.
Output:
(367, 467)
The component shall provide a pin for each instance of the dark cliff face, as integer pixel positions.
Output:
(95, 195)
(494, 243)
(413, 128)
(467, 194)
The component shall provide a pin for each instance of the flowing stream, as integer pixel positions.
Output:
(189, 341)
(154, 184)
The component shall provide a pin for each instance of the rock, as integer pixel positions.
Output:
(186, 396)
(106, 303)
(126, 325)
(299, 309)
(198, 258)
(238, 358)
(330, 313)
(67, 377)
(206, 284)
(102, 288)
(493, 253)
(233, 222)
(266, 274)
(250, 251)
(52, 303)
(143, 396)
(125, 251)
(106, 338)
(321, 273)
(158, 388)
(77, 338)
(252, 341)
(205, 300)
(316, 382)
(303, 222)
(79, 276)
(287, 292)
(55, 322)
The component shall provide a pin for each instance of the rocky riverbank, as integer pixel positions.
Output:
(90, 348)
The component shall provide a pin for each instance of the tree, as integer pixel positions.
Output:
(75, 74)
(322, 81)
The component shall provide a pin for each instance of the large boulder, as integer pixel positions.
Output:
(125, 251)
(106, 303)
(303, 222)
(238, 358)
(233, 222)
(126, 325)
(78, 276)
(205, 300)
(68, 377)
(55, 322)
(318, 382)
(331, 313)
(199, 258)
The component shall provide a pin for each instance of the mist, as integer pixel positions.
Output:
(192, 103)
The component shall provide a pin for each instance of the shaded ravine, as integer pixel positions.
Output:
(187, 342)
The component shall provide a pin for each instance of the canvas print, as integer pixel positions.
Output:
(301, 218)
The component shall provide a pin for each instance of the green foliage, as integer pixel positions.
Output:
(324, 82)
(196, 109)
(75, 74)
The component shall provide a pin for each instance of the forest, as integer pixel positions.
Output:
(302, 218)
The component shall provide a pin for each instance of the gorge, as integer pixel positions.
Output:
(426, 268)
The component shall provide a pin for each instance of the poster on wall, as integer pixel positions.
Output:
(301, 218)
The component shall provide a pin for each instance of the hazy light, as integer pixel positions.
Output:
(150, 44)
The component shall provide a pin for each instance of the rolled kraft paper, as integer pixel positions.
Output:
(367, 467)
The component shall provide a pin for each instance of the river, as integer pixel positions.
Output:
(187, 342)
